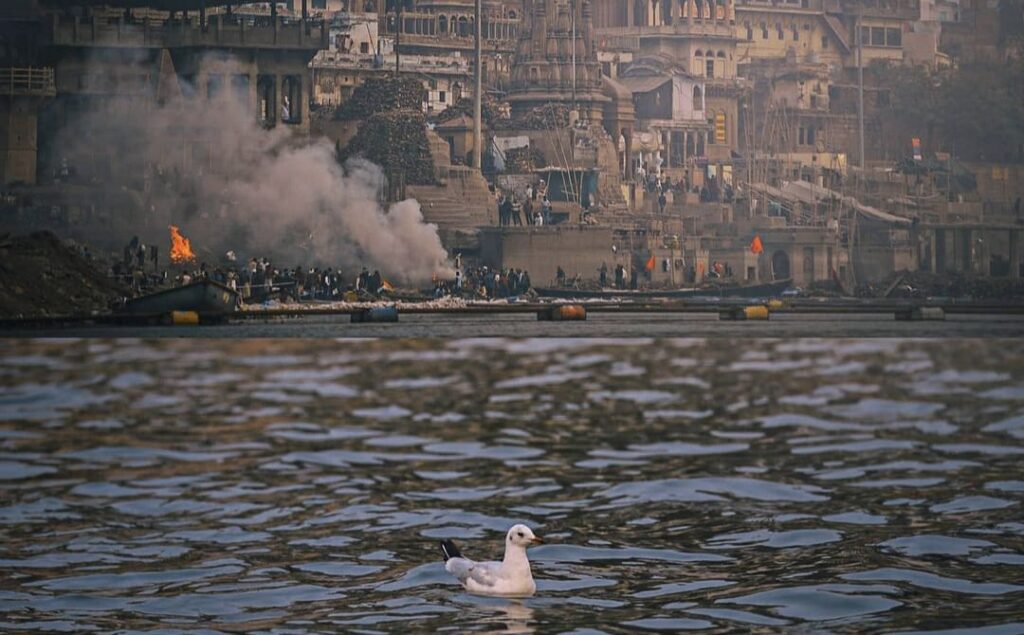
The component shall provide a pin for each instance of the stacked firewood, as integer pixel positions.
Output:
(377, 95)
(524, 160)
(546, 117)
(489, 108)
(397, 141)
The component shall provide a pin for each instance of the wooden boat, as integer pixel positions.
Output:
(765, 290)
(205, 297)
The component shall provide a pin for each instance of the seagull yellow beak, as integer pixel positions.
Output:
(536, 540)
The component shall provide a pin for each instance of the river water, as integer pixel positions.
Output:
(726, 485)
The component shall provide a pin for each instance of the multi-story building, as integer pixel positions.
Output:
(445, 27)
(357, 52)
(883, 24)
(699, 38)
(775, 29)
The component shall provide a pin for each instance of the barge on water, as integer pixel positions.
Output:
(765, 290)
(203, 297)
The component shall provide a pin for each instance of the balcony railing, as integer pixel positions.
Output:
(32, 82)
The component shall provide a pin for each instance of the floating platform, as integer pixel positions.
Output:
(766, 290)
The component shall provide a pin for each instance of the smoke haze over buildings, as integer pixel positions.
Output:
(208, 165)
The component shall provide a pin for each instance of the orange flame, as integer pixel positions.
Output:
(181, 247)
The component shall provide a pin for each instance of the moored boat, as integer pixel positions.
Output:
(205, 297)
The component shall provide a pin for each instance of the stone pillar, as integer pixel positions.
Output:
(630, 12)
(940, 251)
(1014, 253)
(967, 247)
(668, 149)
(686, 142)
(984, 254)
(278, 99)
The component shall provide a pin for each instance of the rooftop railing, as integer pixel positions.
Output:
(27, 82)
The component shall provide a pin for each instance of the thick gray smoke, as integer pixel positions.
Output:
(231, 184)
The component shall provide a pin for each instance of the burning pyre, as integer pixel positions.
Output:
(181, 247)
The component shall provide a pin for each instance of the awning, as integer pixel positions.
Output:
(643, 84)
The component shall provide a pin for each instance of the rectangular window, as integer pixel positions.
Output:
(214, 84)
(893, 37)
(824, 41)
(710, 64)
(808, 264)
(750, 33)
(764, 31)
(877, 36)
(865, 35)
(802, 136)
(810, 136)
(319, 4)
(441, 96)
(364, 47)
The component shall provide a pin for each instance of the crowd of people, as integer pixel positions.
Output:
(532, 208)
(256, 280)
(484, 283)
(660, 186)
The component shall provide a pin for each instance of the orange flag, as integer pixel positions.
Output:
(650, 264)
(755, 245)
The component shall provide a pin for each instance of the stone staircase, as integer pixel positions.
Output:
(462, 201)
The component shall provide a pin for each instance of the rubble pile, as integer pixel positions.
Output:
(923, 284)
(42, 276)
(397, 141)
(546, 117)
(524, 160)
(383, 94)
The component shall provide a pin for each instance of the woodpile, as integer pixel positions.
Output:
(922, 284)
(489, 108)
(546, 117)
(377, 95)
(524, 160)
(396, 140)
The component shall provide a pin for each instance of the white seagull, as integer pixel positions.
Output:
(509, 578)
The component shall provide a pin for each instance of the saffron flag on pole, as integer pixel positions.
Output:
(755, 245)
(650, 263)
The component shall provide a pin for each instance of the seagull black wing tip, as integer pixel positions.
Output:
(449, 550)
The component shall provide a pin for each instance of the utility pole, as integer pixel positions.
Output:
(478, 91)
(860, 84)
(398, 33)
(573, 9)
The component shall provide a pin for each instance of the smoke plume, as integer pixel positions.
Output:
(210, 167)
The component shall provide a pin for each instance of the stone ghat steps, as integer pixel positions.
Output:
(464, 201)
(445, 205)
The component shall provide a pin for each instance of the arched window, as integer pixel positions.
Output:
(463, 30)
(750, 32)
(442, 25)
(698, 53)
(698, 98)
(779, 31)
(721, 54)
